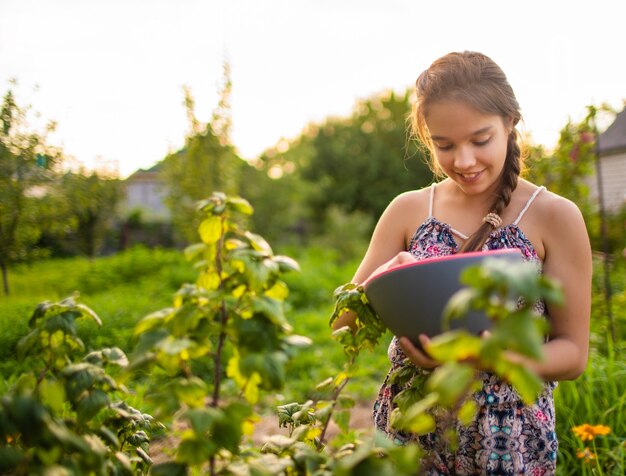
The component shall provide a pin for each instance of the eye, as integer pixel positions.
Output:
(482, 142)
(443, 146)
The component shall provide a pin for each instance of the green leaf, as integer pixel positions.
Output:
(286, 263)
(90, 405)
(86, 311)
(258, 243)
(109, 436)
(27, 343)
(194, 251)
(192, 391)
(174, 346)
(124, 461)
(454, 346)
(152, 320)
(467, 412)
(298, 341)
(202, 419)
(452, 381)
(526, 382)
(211, 229)
(416, 419)
(523, 333)
(240, 205)
(138, 438)
(408, 397)
(145, 457)
(277, 444)
(459, 304)
(52, 394)
(40, 311)
(80, 377)
(110, 355)
(342, 419)
(269, 307)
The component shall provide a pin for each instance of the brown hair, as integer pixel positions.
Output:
(478, 81)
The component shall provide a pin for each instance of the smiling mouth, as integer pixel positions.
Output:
(469, 176)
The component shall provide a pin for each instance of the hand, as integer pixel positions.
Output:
(421, 359)
(404, 257)
(418, 357)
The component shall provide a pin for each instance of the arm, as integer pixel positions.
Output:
(568, 261)
(388, 244)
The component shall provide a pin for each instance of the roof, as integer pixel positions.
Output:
(614, 138)
(146, 174)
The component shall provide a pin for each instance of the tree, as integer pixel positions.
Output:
(208, 162)
(274, 183)
(355, 164)
(569, 167)
(27, 165)
(88, 203)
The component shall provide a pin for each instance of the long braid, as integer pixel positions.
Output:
(508, 183)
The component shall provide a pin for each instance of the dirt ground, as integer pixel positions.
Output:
(360, 419)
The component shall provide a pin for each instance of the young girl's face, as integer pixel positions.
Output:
(469, 145)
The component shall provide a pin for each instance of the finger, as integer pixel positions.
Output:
(415, 355)
(404, 257)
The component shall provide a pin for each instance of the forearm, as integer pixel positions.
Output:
(562, 360)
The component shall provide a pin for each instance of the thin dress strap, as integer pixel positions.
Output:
(432, 195)
(530, 200)
(430, 211)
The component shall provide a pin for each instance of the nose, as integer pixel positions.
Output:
(464, 158)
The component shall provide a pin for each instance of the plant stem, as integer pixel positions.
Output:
(5, 278)
(222, 337)
(224, 319)
(336, 393)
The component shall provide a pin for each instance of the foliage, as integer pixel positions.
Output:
(356, 162)
(26, 166)
(345, 233)
(568, 169)
(64, 416)
(352, 166)
(274, 183)
(598, 396)
(233, 317)
(87, 204)
(208, 161)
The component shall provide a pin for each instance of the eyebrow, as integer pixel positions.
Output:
(475, 133)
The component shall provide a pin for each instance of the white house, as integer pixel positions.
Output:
(612, 163)
(145, 192)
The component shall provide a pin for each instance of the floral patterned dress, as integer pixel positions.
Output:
(507, 436)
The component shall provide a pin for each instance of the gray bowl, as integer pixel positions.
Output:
(410, 299)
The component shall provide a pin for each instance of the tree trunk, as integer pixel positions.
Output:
(5, 278)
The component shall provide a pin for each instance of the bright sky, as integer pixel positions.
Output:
(111, 72)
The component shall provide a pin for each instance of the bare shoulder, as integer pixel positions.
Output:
(414, 199)
(560, 226)
(406, 212)
(413, 204)
(555, 210)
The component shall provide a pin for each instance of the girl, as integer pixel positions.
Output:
(466, 113)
